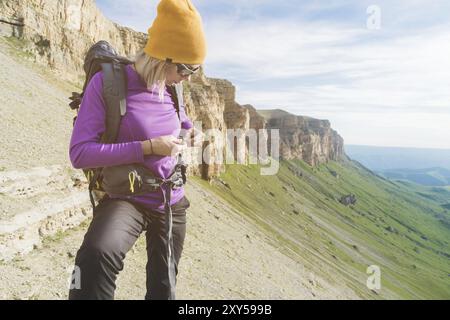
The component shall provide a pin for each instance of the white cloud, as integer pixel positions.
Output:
(342, 73)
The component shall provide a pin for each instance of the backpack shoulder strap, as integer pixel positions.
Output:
(176, 92)
(179, 94)
(114, 95)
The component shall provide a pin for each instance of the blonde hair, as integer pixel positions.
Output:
(152, 71)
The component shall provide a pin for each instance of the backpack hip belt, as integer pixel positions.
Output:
(135, 179)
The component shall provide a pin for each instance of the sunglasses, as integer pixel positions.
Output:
(185, 70)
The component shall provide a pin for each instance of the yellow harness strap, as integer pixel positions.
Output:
(132, 178)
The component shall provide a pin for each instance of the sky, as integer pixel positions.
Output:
(378, 70)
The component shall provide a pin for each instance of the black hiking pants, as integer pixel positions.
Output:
(115, 227)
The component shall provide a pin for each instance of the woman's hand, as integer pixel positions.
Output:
(194, 137)
(163, 146)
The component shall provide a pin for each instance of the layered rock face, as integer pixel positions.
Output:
(236, 118)
(58, 34)
(205, 107)
(305, 138)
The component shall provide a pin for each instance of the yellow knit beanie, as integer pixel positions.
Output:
(177, 33)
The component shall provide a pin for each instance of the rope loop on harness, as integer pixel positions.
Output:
(131, 179)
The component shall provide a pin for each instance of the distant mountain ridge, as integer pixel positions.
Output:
(393, 158)
(427, 177)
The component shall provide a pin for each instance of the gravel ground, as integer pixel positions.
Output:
(225, 257)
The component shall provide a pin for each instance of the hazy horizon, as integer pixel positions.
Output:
(393, 147)
(381, 158)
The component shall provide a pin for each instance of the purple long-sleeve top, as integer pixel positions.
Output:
(146, 118)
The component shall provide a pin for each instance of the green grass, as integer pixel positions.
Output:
(18, 48)
(390, 225)
(47, 241)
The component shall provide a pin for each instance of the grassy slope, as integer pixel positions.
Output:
(391, 225)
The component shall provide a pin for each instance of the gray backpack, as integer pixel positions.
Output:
(103, 57)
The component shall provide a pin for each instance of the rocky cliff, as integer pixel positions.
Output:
(58, 34)
(304, 138)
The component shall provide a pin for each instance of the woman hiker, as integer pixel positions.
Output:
(148, 135)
